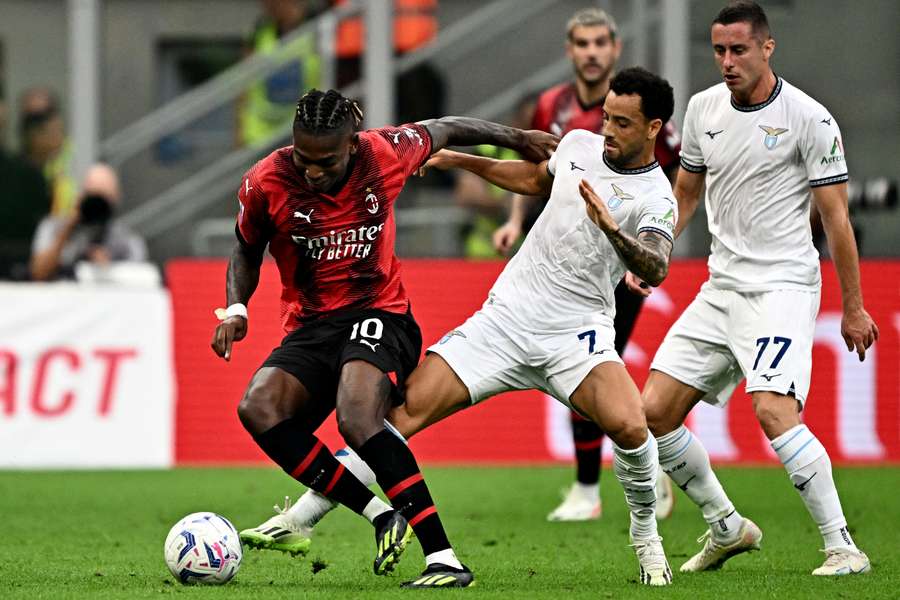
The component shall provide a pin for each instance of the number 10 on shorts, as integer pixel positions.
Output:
(370, 328)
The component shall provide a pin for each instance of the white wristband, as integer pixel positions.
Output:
(236, 310)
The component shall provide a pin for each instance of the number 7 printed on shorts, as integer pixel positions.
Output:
(763, 342)
(591, 336)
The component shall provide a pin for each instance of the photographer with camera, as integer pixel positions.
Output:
(91, 235)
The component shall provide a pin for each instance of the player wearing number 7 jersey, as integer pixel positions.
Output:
(548, 322)
(762, 147)
(324, 207)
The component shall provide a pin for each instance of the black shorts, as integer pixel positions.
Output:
(315, 353)
(628, 306)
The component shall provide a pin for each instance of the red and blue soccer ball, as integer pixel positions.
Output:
(203, 547)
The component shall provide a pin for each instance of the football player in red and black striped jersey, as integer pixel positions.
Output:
(324, 208)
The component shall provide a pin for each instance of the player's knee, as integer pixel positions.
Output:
(628, 434)
(658, 419)
(357, 428)
(257, 409)
(775, 418)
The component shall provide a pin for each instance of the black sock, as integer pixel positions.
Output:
(588, 447)
(307, 460)
(399, 476)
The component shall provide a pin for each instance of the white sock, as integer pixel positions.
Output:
(588, 491)
(312, 506)
(685, 460)
(807, 463)
(375, 507)
(444, 557)
(636, 470)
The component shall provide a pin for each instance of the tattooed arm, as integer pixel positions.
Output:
(533, 145)
(240, 283)
(647, 256)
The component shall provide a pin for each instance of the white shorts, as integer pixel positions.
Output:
(725, 336)
(493, 352)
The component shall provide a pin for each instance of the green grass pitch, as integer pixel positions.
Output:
(100, 534)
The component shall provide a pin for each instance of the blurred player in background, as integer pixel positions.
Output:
(593, 45)
(762, 147)
(547, 323)
(324, 208)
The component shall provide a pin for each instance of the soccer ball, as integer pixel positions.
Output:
(203, 547)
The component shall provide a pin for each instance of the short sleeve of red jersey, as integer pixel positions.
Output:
(253, 216)
(668, 146)
(541, 118)
(411, 144)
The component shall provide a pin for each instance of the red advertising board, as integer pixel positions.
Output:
(853, 407)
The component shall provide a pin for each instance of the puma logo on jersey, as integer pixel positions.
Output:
(369, 344)
(575, 167)
(307, 217)
(826, 121)
(712, 134)
(770, 377)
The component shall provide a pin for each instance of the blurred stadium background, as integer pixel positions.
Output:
(120, 374)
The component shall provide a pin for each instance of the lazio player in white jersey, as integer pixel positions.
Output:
(548, 321)
(762, 147)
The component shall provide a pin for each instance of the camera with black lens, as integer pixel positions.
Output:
(95, 210)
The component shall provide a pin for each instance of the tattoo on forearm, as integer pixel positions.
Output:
(647, 256)
(243, 273)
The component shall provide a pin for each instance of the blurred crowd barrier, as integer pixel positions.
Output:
(94, 376)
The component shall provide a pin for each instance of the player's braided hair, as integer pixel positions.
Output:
(321, 112)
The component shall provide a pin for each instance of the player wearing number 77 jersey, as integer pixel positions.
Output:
(760, 145)
(324, 207)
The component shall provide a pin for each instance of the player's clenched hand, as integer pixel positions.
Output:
(232, 329)
(506, 236)
(441, 160)
(538, 145)
(859, 331)
(596, 209)
(636, 285)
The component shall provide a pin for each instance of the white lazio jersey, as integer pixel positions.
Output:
(567, 269)
(760, 163)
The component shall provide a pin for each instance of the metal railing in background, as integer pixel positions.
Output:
(218, 91)
(193, 195)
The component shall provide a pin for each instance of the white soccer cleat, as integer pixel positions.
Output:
(665, 496)
(279, 533)
(844, 561)
(714, 555)
(577, 506)
(652, 559)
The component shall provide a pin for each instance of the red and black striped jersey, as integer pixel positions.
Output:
(559, 111)
(334, 252)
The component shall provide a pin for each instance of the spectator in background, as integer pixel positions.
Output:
(268, 105)
(44, 146)
(420, 91)
(90, 234)
(24, 201)
(487, 202)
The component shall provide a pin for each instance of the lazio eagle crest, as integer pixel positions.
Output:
(772, 134)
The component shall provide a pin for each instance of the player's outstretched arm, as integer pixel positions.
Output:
(533, 145)
(240, 283)
(857, 327)
(519, 176)
(687, 192)
(647, 256)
